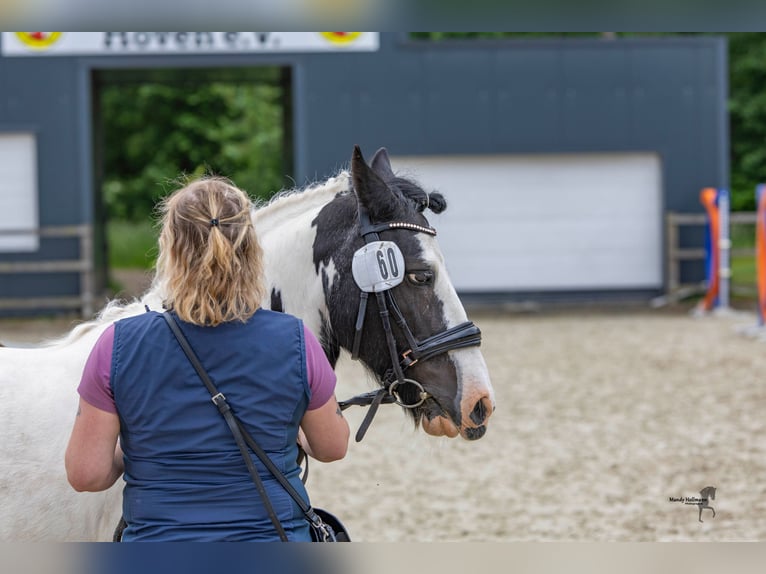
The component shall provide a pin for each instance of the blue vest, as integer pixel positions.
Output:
(185, 479)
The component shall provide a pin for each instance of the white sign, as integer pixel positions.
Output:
(154, 43)
(378, 266)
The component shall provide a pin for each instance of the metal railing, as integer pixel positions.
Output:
(83, 265)
(677, 254)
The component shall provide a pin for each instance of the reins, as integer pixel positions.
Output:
(463, 335)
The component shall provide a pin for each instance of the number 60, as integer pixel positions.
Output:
(384, 269)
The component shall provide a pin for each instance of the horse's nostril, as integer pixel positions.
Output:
(475, 433)
(481, 411)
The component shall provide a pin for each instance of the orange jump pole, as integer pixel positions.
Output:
(709, 200)
(760, 251)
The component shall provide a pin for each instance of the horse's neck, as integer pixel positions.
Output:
(286, 233)
(85, 334)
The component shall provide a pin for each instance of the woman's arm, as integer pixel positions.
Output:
(325, 432)
(93, 457)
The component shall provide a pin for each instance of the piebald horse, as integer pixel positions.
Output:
(354, 257)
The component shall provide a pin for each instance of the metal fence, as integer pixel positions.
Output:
(82, 265)
(677, 254)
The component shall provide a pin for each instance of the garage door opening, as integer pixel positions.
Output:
(151, 127)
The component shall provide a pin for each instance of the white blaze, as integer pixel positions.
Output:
(472, 372)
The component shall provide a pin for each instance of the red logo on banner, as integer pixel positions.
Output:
(341, 37)
(38, 40)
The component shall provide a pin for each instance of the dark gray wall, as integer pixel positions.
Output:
(661, 94)
(664, 95)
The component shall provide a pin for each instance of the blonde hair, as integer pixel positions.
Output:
(209, 259)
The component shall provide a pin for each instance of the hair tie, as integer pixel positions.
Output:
(214, 222)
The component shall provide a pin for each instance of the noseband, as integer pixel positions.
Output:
(463, 335)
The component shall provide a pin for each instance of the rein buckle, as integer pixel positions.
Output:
(406, 362)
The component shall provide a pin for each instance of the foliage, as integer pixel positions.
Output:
(159, 130)
(132, 245)
(747, 115)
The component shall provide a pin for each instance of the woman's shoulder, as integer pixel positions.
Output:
(275, 316)
(277, 322)
(137, 321)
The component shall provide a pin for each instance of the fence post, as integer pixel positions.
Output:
(674, 276)
(86, 276)
(724, 249)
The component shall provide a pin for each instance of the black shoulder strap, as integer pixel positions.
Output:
(240, 435)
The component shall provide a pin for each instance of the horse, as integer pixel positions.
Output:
(327, 248)
(706, 495)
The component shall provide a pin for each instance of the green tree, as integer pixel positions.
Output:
(747, 116)
(166, 126)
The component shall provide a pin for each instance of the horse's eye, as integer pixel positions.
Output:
(421, 278)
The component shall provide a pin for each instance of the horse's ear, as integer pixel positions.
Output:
(381, 165)
(371, 190)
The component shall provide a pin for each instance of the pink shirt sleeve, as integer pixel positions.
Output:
(320, 374)
(95, 388)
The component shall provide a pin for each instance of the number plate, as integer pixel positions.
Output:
(378, 266)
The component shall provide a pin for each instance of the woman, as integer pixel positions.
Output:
(185, 479)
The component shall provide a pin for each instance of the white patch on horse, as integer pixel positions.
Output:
(329, 272)
(454, 313)
(284, 228)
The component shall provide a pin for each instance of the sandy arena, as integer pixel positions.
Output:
(602, 417)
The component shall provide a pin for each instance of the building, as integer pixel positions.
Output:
(559, 157)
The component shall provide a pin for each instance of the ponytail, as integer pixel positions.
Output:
(210, 261)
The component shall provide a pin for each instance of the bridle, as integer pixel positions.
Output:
(463, 335)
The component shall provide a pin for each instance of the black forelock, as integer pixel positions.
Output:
(421, 198)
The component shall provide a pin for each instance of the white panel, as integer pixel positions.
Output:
(547, 222)
(18, 191)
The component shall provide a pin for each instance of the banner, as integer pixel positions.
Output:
(179, 43)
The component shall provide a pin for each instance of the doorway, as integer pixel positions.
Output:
(152, 127)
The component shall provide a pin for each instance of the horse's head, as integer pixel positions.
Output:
(430, 336)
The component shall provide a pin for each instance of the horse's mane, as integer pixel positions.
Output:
(320, 193)
(113, 311)
(284, 203)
